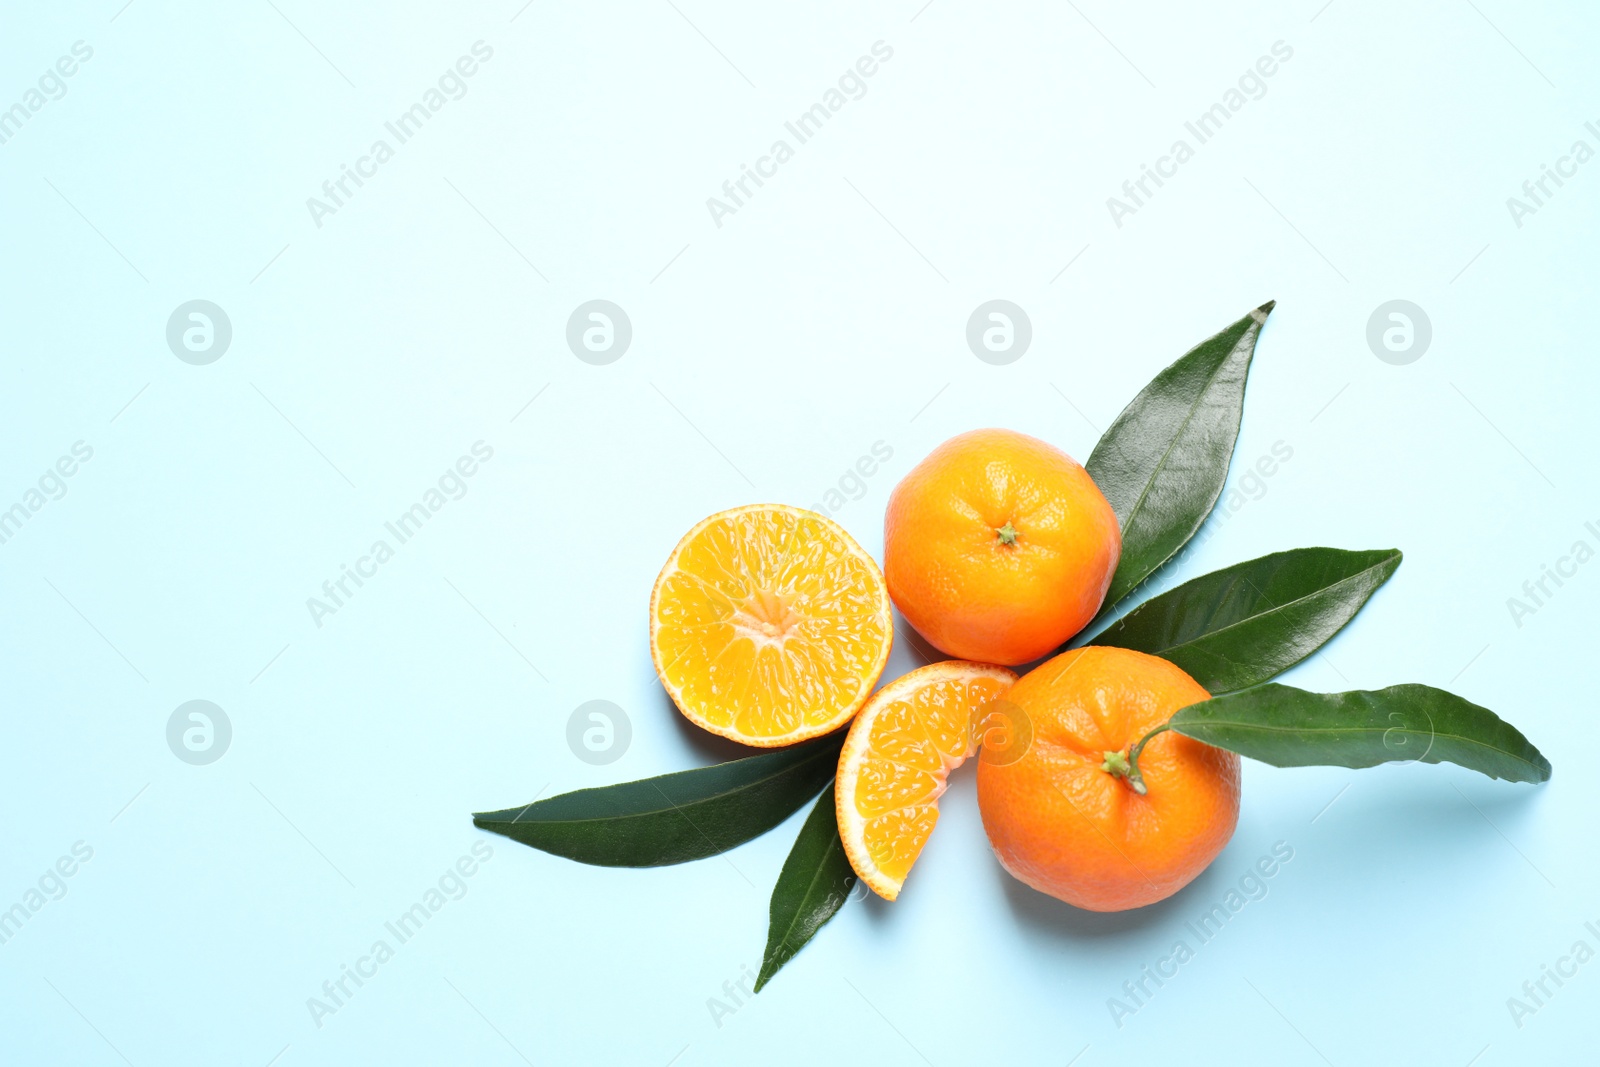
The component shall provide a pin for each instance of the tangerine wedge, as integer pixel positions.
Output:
(769, 625)
(897, 759)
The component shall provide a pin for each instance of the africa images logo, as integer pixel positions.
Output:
(51, 86)
(1205, 126)
(337, 592)
(805, 126)
(336, 192)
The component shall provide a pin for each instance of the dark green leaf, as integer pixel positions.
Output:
(677, 817)
(1163, 463)
(1244, 624)
(1289, 727)
(815, 883)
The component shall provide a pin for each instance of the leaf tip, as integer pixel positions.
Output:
(1260, 314)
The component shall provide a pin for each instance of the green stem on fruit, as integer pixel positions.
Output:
(1007, 534)
(1127, 767)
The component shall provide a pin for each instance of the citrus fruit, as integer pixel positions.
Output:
(769, 624)
(1064, 819)
(896, 759)
(998, 547)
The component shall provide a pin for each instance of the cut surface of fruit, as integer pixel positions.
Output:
(896, 761)
(769, 624)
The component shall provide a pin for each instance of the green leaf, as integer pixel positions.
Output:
(1290, 727)
(815, 883)
(1242, 625)
(677, 817)
(1163, 463)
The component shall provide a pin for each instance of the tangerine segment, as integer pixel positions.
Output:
(897, 759)
(769, 625)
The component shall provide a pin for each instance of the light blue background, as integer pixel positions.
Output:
(768, 355)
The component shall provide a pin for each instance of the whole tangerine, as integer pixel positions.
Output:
(1064, 817)
(998, 547)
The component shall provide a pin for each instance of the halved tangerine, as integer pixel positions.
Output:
(769, 624)
(898, 757)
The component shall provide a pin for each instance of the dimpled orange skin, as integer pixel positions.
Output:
(955, 579)
(1064, 826)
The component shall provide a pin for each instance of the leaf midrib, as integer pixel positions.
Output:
(1268, 728)
(669, 807)
(811, 885)
(1271, 611)
(1160, 466)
